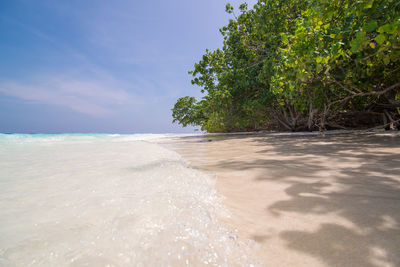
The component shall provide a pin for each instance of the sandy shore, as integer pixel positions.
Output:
(329, 200)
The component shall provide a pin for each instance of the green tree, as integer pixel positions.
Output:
(295, 65)
(187, 111)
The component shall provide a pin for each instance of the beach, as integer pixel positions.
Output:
(307, 199)
(267, 199)
(108, 200)
(200, 133)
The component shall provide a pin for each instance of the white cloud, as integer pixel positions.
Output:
(95, 97)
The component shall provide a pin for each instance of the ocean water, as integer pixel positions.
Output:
(108, 200)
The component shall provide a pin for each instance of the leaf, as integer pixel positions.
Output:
(372, 45)
(228, 8)
(387, 28)
(284, 38)
(380, 38)
(243, 7)
(369, 4)
(371, 26)
(355, 46)
(386, 59)
(360, 35)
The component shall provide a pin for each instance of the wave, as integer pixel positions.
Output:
(109, 200)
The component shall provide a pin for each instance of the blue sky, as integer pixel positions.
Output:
(101, 66)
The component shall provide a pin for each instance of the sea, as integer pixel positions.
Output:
(109, 200)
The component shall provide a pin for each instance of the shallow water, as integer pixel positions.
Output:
(108, 200)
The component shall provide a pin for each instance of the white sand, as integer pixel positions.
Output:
(108, 200)
(308, 200)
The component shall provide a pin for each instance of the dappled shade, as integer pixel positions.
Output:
(326, 200)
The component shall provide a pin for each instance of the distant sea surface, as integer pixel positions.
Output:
(108, 200)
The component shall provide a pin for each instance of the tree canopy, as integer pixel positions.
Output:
(297, 65)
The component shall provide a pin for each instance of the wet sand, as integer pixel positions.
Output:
(329, 200)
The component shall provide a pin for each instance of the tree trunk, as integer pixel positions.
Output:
(392, 125)
(310, 117)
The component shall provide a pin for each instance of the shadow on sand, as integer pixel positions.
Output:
(354, 177)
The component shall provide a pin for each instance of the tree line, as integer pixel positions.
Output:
(300, 65)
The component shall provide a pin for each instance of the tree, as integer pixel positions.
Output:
(187, 111)
(296, 65)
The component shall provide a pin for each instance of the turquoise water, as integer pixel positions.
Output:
(108, 200)
(45, 137)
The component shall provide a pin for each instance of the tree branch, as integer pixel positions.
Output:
(376, 93)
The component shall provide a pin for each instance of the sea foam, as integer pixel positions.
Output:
(108, 200)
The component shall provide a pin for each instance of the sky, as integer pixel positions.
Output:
(102, 66)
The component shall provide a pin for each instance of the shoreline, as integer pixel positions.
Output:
(307, 199)
(109, 200)
(313, 133)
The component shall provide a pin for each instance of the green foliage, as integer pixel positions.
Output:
(289, 62)
(187, 112)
